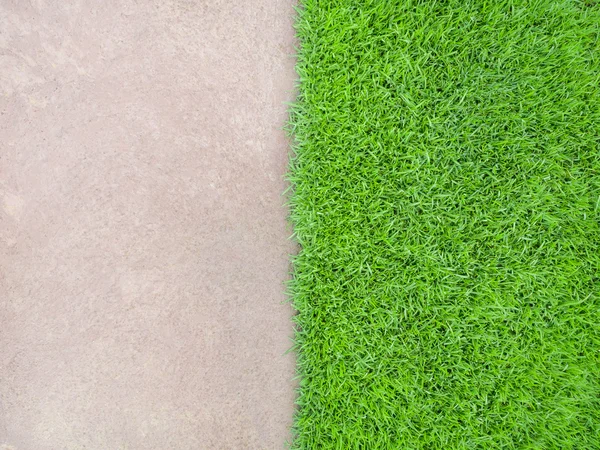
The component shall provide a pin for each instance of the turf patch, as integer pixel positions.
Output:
(446, 198)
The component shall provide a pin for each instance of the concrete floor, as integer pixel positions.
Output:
(143, 241)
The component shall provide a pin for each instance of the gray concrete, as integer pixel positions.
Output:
(143, 241)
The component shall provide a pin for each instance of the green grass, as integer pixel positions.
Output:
(446, 198)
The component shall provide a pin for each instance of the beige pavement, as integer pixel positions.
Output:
(143, 241)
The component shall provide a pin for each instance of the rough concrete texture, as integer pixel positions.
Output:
(143, 241)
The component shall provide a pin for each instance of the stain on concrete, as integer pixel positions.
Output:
(143, 241)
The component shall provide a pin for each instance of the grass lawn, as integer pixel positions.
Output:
(446, 197)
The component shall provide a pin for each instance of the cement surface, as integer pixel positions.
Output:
(143, 241)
